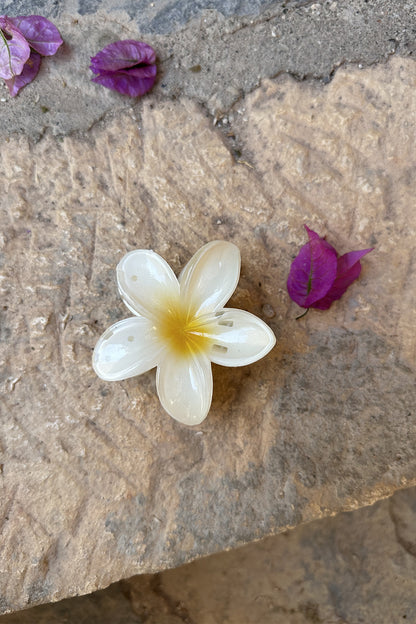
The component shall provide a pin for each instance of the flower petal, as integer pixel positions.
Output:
(122, 54)
(133, 82)
(313, 271)
(14, 49)
(184, 386)
(40, 33)
(348, 270)
(210, 277)
(240, 338)
(29, 72)
(146, 283)
(128, 348)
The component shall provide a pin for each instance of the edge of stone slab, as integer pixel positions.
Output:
(349, 508)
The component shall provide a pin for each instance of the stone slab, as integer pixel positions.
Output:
(98, 483)
(357, 567)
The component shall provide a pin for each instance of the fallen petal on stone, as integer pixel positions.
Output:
(121, 55)
(134, 82)
(14, 49)
(40, 33)
(30, 70)
(312, 272)
(127, 66)
(348, 270)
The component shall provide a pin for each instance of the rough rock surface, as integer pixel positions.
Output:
(98, 483)
(357, 567)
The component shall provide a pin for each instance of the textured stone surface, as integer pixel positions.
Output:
(107, 606)
(98, 483)
(216, 58)
(345, 570)
(357, 567)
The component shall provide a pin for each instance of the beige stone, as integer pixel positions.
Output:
(98, 482)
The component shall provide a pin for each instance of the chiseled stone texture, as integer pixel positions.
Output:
(98, 482)
(357, 567)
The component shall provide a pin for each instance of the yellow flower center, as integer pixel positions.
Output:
(183, 332)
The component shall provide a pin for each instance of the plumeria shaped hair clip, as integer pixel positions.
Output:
(180, 325)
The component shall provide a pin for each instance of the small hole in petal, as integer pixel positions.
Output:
(134, 278)
(226, 323)
(130, 338)
(219, 348)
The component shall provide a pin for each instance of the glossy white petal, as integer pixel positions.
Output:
(240, 338)
(210, 277)
(146, 282)
(184, 386)
(126, 349)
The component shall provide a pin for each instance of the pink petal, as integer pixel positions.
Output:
(14, 49)
(134, 82)
(121, 55)
(313, 271)
(39, 32)
(348, 269)
(30, 69)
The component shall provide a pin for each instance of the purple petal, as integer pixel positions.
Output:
(30, 69)
(348, 269)
(14, 49)
(146, 71)
(133, 82)
(40, 33)
(312, 234)
(312, 272)
(121, 55)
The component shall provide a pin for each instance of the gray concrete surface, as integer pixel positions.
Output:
(214, 52)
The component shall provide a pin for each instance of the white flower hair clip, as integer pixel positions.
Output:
(181, 326)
